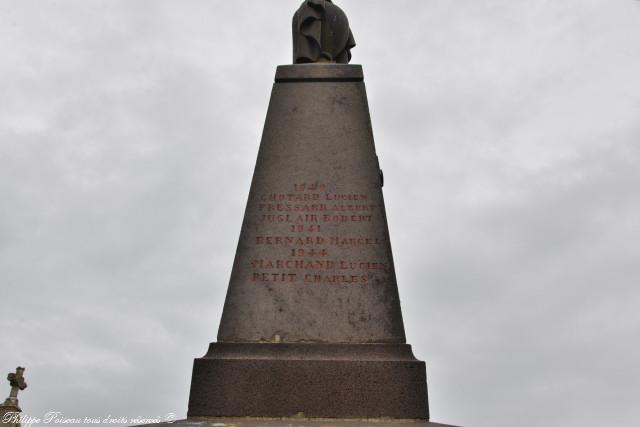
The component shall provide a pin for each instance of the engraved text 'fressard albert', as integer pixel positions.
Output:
(306, 249)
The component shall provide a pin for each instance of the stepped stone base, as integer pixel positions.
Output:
(349, 381)
(296, 422)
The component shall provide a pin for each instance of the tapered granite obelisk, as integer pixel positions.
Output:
(312, 324)
(312, 321)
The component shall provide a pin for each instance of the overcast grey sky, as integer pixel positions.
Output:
(509, 133)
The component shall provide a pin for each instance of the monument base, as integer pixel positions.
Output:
(350, 381)
(295, 422)
(10, 413)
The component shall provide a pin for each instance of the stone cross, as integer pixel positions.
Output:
(321, 33)
(16, 380)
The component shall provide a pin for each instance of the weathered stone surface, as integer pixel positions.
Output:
(316, 209)
(307, 73)
(9, 416)
(317, 380)
(312, 322)
(239, 422)
(321, 33)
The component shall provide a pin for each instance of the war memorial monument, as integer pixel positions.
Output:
(312, 332)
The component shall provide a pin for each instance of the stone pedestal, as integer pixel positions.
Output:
(296, 422)
(10, 413)
(312, 325)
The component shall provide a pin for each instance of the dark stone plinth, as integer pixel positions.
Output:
(296, 422)
(321, 33)
(319, 72)
(317, 380)
(317, 133)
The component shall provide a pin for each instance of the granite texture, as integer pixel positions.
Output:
(312, 322)
(240, 422)
(322, 380)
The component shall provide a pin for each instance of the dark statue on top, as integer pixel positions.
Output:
(321, 33)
